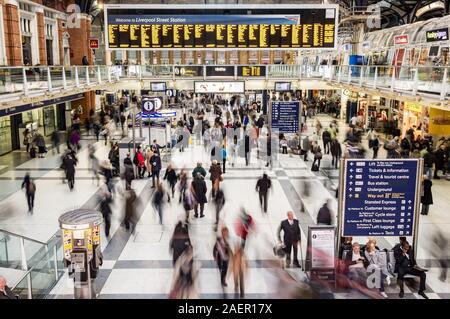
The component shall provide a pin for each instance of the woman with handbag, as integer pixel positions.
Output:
(317, 156)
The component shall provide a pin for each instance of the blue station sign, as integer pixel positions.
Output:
(285, 116)
(380, 197)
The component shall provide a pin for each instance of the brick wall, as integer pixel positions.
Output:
(79, 41)
(13, 41)
(41, 38)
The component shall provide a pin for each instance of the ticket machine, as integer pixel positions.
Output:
(82, 250)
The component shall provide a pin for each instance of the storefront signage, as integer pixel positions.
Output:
(188, 71)
(401, 39)
(285, 116)
(219, 70)
(413, 107)
(251, 70)
(31, 106)
(379, 197)
(437, 35)
(94, 43)
(219, 87)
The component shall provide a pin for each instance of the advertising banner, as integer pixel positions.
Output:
(219, 87)
(322, 247)
(380, 197)
(437, 35)
(220, 70)
(188, 71)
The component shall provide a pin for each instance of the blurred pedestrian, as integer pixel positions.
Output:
(219, 203)
(30, 191)
(27, 139)
(199, 169)
(244, 226)
(105, 209)
(5, 291)
(180, 241)
(182, 186)
(55, 141)
(184, 282)
(215, 176)
(239, 268)
(262, 187)
(172, 178)
(128, 172)
(130, 220)
(222, 254)
(324, 216)
(158, 201)
(69, 164)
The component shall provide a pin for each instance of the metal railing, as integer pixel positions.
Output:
(41, 262)
(413, 80)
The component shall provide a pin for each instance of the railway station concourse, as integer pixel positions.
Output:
(260, 149)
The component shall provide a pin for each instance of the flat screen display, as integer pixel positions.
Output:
(158, 86)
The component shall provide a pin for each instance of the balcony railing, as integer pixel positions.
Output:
(410, 80)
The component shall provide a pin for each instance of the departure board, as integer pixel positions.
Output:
(302, 28)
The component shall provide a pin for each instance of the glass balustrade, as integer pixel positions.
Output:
(82, 70)
(42, 263)
(393, 78)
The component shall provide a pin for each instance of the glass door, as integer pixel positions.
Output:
(5, 135)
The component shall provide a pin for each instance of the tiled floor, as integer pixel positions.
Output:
(139, 265)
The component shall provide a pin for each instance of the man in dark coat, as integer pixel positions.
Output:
(405, 263)
(291, 238)
(105, 209)
(69, 164)
(427, 196)
(155, 161)
(336, 152)
(440, 156)
(262, 187)
(199, 191)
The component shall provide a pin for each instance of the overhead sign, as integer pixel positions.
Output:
(294, 27)
(219, 87)
(401, 39)
(220, 70)
(285, 116)
(437, 35)
(151, 104)
(94, 43)
(160, 115)
(188, 71)
(379, 197)
(251, 70)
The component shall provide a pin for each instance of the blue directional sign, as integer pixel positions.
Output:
(379, 197)
(285, 116)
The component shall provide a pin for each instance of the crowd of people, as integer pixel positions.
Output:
(236, 132)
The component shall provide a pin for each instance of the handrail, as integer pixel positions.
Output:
(23, 277)
(25, 237)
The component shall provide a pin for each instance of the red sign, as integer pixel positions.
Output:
(94, 43)
(401, 39)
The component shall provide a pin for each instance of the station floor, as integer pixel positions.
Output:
(140, 266)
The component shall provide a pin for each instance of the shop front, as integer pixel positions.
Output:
(45, 117)
(412, 117)
(439, 123)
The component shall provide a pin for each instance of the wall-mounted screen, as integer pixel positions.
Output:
(158, 86)
(282, 86)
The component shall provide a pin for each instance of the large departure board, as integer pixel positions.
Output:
(304, 28)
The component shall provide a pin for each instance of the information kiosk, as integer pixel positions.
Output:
(82, 251)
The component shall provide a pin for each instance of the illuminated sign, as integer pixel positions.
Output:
(219, 87)
(94, 43)
(437, 35)
(251, 71)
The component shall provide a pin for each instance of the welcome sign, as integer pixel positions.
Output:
(437, 35)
